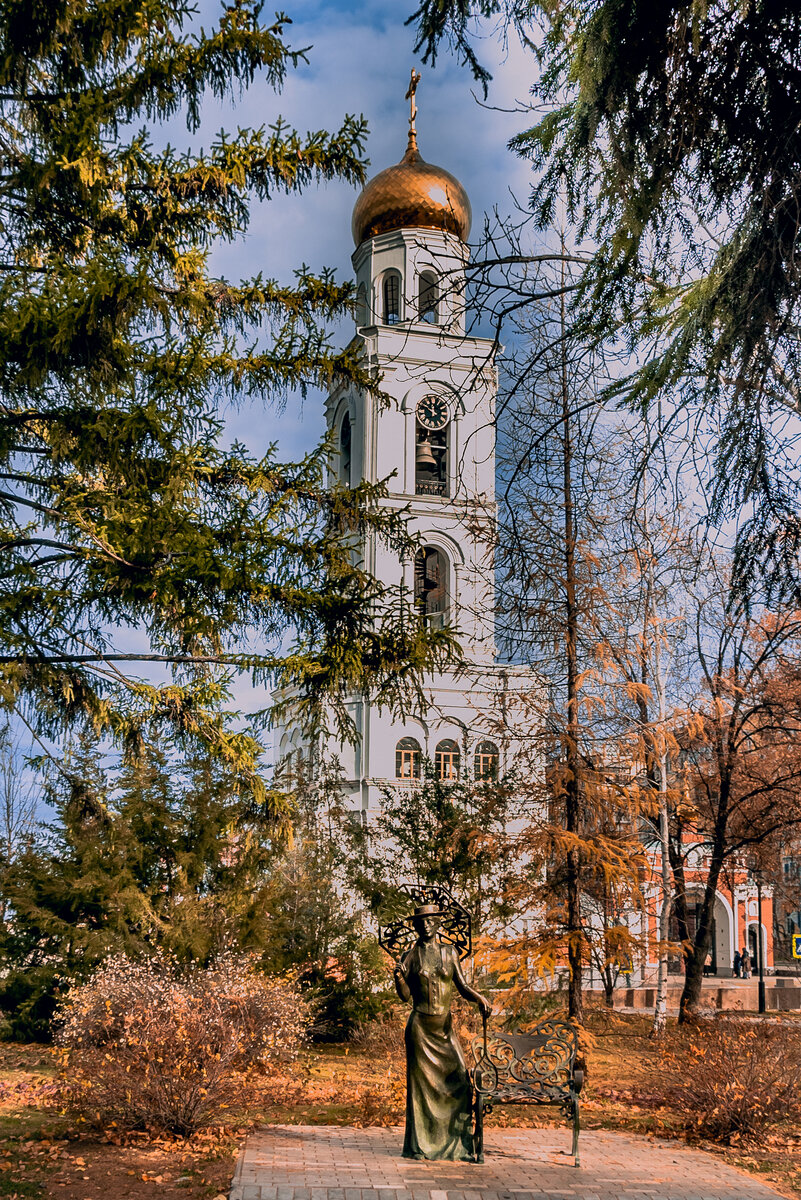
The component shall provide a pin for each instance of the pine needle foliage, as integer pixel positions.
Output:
(167, 853)
(445, 833)
(673, 134)
(310, 923)
(128, 532)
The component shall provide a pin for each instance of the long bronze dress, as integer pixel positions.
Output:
(438, 1098)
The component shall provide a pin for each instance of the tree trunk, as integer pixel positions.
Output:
(656, 761)
(609, 990)
(679, 891)
(694, 965)
(575, 997)
(660, 1006)
(693, 979)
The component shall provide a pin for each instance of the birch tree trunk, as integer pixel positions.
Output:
(660, 1008)
(658, 736)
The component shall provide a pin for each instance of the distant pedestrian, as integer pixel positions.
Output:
(745, 963)
(738, 964)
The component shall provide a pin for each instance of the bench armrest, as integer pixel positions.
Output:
(577, 1079)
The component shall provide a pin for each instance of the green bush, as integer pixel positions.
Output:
(349, 989)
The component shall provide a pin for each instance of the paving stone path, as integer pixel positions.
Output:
(328, 1162)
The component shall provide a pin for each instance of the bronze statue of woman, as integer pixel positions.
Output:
(438, 1100)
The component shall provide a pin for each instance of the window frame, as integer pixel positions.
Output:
(345, 452)
(391, 277)
(440, 442)
(408, 750)
(436, 618)
(428, 279)
(486, 750)
(447, 754)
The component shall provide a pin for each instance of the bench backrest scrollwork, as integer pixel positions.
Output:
(537, 1061)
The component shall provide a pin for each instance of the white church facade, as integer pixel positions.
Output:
(432, 436)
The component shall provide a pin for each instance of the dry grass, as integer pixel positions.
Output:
(626, 1091)
(359, 1084)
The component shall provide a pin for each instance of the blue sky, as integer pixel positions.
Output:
(360, 58)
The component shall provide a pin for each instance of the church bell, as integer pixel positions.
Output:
(425, 455)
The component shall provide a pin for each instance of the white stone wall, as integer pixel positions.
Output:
(415, 359)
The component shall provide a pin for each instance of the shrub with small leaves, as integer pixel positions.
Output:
(155, 1044)
(734, 1080)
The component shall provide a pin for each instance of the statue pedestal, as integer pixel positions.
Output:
(330, 1162)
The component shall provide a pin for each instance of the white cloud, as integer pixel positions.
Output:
(359, 62)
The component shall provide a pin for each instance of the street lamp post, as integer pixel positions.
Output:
(761, 944)
(756, 872)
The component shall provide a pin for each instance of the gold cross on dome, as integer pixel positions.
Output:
(415, 79)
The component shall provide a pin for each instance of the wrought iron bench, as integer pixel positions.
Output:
(538, 1067)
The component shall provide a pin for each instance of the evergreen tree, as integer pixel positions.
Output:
(69, 900)
(316, 928)
(128, 532)
(450, 833)
(165, 853)
(673, 131)
(170, 853)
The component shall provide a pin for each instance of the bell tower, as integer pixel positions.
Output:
(432, 436)
(434, 440)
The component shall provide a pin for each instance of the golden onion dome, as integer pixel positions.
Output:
(412, 194)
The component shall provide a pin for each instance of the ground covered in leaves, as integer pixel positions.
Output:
(47, 1154)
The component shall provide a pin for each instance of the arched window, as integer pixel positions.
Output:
(432, 431)
(345, 438)
(431, 586)
(486, 761)
(431, 461)
(408, 758)
(392, 313)
(428, 298)
(446, 760)
(361, 305)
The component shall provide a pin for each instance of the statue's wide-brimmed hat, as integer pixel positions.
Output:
(428, 910)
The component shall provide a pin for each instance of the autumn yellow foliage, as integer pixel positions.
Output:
(734, 1080)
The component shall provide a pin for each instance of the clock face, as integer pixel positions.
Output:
(432, 412)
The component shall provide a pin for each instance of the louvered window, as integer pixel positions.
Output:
(345, 439)
(428, 298)
(391, 298)
(431, 586)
